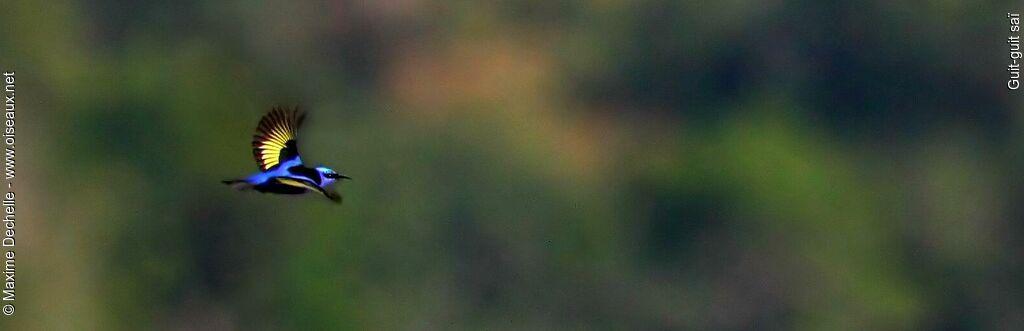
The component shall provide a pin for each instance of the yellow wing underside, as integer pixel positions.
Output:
(273, 142)
(298, 183)
(309, 186)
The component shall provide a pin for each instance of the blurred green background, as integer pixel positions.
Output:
(520, 165)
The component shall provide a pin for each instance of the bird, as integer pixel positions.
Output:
(281, 171)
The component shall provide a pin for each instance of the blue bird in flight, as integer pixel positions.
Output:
(277, 154)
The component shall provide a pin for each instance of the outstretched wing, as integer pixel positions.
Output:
(306, 184)
(274, 141)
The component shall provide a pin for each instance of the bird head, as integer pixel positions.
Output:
(328, 175)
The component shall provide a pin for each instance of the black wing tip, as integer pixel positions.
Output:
(300, 117)
(284, 113)
(333, 196)
(285, 110)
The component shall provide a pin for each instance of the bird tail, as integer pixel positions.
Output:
(238, 184)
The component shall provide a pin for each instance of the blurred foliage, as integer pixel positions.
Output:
(524, 165)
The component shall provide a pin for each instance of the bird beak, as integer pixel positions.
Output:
(344, 177)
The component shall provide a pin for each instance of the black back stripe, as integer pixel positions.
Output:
(303, 171)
